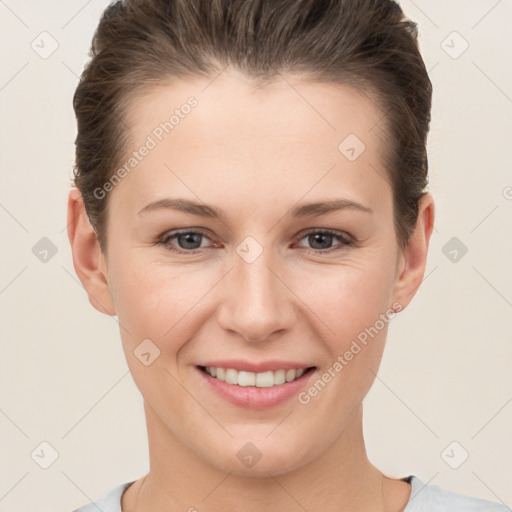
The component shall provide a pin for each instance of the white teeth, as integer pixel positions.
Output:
(265, 379)
(246, 379)
(279, 377)
(231, 376)
(260, 380)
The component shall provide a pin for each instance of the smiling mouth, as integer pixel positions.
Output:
(261, 380)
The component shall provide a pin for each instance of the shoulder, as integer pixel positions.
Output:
(432, 498)
(111, 502)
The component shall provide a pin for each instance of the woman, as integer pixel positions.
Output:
(251, 204)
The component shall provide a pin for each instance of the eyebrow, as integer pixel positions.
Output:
(313, 209)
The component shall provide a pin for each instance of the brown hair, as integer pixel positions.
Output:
(367, 44)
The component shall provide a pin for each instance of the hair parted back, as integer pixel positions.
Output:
(367, 44)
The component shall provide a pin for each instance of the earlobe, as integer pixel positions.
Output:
(88, 258)
(414, 257)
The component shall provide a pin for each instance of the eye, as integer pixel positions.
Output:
(319, 239)
(188, 241)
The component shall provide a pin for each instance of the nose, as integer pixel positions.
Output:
(257, 302)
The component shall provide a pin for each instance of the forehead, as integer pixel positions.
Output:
(287, 135)
(231, 107)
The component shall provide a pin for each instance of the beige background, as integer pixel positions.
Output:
(446, 373)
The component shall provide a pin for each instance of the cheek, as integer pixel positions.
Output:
(348, 298)
(154, 300)
(354, 313)
(165, 302)
(353, 308)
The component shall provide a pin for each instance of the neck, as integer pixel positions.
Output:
(342, 478)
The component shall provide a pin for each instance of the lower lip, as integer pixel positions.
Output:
(252, 397)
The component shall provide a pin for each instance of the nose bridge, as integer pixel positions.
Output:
(257, 303)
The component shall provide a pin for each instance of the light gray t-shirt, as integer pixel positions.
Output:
(424, 498)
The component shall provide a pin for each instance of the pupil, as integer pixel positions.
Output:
(192, 238)
(318, 237)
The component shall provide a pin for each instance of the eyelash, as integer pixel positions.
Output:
(169, 235)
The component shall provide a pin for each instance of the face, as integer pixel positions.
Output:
(258, 278)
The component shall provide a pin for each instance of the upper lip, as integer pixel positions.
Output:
(263, 366)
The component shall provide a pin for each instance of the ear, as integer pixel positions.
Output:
(413, 258)
(88, 259)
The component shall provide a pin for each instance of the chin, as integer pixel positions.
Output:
(259, 457)
(261, 469)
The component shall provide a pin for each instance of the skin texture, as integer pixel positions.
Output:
(255, 153)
